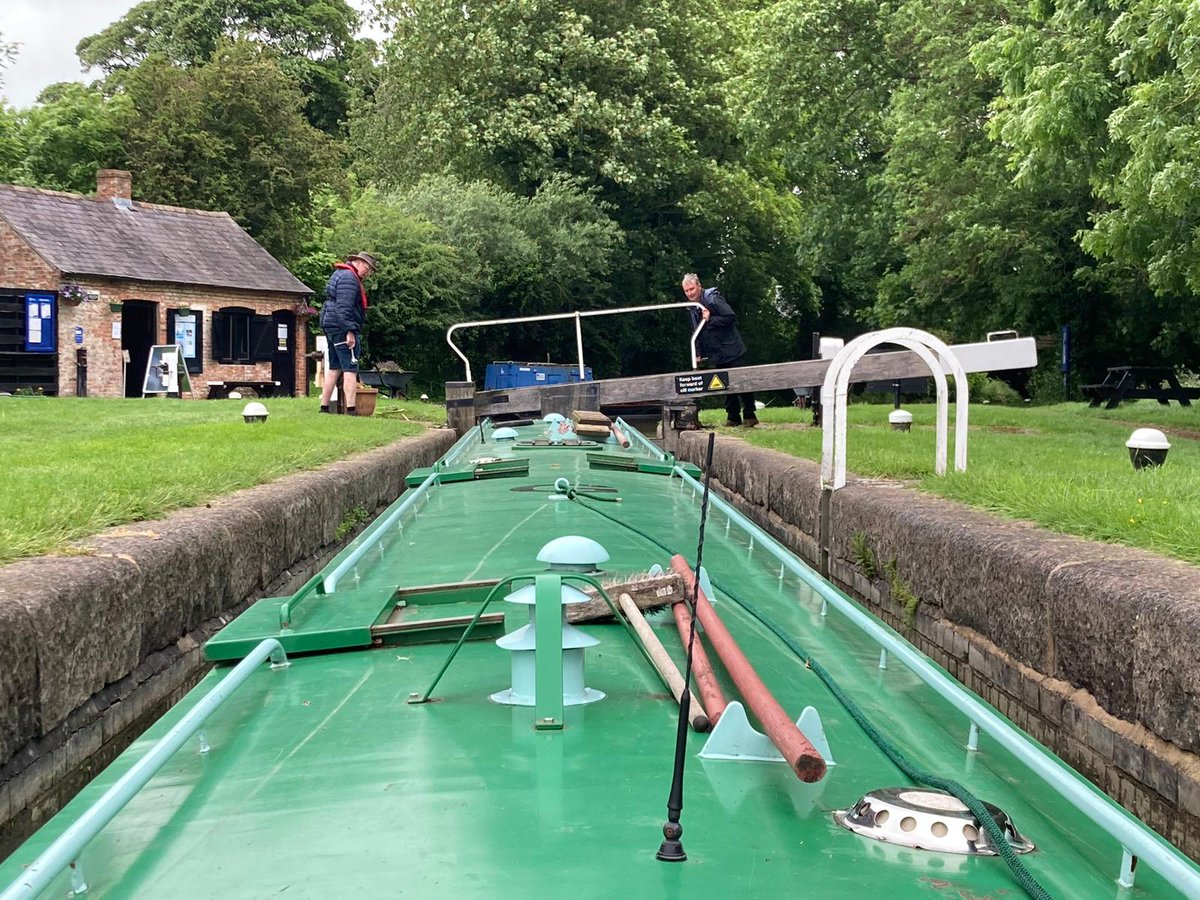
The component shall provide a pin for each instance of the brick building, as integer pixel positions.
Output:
(88, 284)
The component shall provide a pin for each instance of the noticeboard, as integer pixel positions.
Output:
(164, 374)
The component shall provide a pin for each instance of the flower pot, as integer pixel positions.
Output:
(116, 307)
(364, 401)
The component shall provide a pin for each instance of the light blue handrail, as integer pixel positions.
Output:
(640, 439)
(364, 541)
(1135, 838)
(66, 849)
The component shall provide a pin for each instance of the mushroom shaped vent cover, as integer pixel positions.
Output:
(927, 820)
(572, 553)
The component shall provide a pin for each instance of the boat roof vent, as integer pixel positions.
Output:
(927, 820)
(572, 553)
(504, 434)
(528, 595)
(554, 417)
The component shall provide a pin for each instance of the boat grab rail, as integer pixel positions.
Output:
(641, 440)
(65, 850)
(364, 541)
(578, 317)
(1134, 837)
(502, 584)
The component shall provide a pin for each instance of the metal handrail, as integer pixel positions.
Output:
(66, 849)
(1135, 838)
(577, 316)
(363, 542)
(641, 440)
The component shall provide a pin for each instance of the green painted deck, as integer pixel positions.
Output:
(323, 782)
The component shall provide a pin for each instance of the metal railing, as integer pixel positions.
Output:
(1135, 838)
(372, 536)
(65, 850)
(578, 317)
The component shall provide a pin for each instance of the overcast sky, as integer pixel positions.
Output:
(48, 31)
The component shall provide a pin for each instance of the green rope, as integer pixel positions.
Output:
(995, 833)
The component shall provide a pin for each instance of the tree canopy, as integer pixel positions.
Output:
(832, 165)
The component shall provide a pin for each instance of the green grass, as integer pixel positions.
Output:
(73, 467)
(1063, 467)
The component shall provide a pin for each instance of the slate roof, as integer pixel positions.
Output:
(82, 235)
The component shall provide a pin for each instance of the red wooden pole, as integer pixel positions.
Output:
(711, 695)
(806, 761)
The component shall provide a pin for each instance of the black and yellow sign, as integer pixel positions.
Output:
(702, 382)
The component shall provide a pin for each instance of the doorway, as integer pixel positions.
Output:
(139, 332)
(283, 359)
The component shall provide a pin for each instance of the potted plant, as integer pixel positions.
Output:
(365, 399)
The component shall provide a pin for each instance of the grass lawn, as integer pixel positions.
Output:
(76, 466)
(1064, 467)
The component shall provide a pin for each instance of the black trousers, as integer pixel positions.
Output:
(739, 406)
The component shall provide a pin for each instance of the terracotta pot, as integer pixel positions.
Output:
(364, 400)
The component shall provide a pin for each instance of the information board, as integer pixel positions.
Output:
(702, 383)
(164, 374)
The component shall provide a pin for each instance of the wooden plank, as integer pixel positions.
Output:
(772, 377)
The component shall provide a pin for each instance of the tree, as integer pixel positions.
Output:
(813, 93)
(71, 132)
(313, 40)
(978, 251)
(630, 99)
(1103, 95)
(228, 135)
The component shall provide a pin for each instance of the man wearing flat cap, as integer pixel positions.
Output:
(342, 317)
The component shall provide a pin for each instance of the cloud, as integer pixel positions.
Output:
(47, 31)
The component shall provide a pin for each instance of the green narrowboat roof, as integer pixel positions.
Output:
(323, 781)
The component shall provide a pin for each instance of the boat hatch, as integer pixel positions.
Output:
(927, 820)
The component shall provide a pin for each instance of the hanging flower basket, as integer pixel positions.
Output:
(72, 294)
(305, 309)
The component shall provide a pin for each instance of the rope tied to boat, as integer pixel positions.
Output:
(995, 833)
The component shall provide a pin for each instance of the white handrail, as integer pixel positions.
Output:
(577, 316)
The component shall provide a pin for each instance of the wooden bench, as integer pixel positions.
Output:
(1139, 383)
(219, 390)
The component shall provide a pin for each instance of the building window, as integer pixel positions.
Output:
(241, 336)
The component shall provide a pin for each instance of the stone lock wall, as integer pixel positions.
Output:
(1089, 648)
(94, 648)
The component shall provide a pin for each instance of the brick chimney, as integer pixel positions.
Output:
(113, 184)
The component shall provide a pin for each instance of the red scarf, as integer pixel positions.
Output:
(362, 291)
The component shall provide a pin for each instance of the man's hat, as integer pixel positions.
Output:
(364, 257)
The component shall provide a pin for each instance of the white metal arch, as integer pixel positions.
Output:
(835, 389)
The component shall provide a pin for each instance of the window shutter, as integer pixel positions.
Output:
(262, 339)
(222, 350)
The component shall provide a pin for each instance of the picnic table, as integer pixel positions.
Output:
(1139, 383)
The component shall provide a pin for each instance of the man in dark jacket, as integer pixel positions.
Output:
(342, 317)
(720, 344)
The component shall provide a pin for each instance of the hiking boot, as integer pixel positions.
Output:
(733, 423)
(750, 421)
(326, 409)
